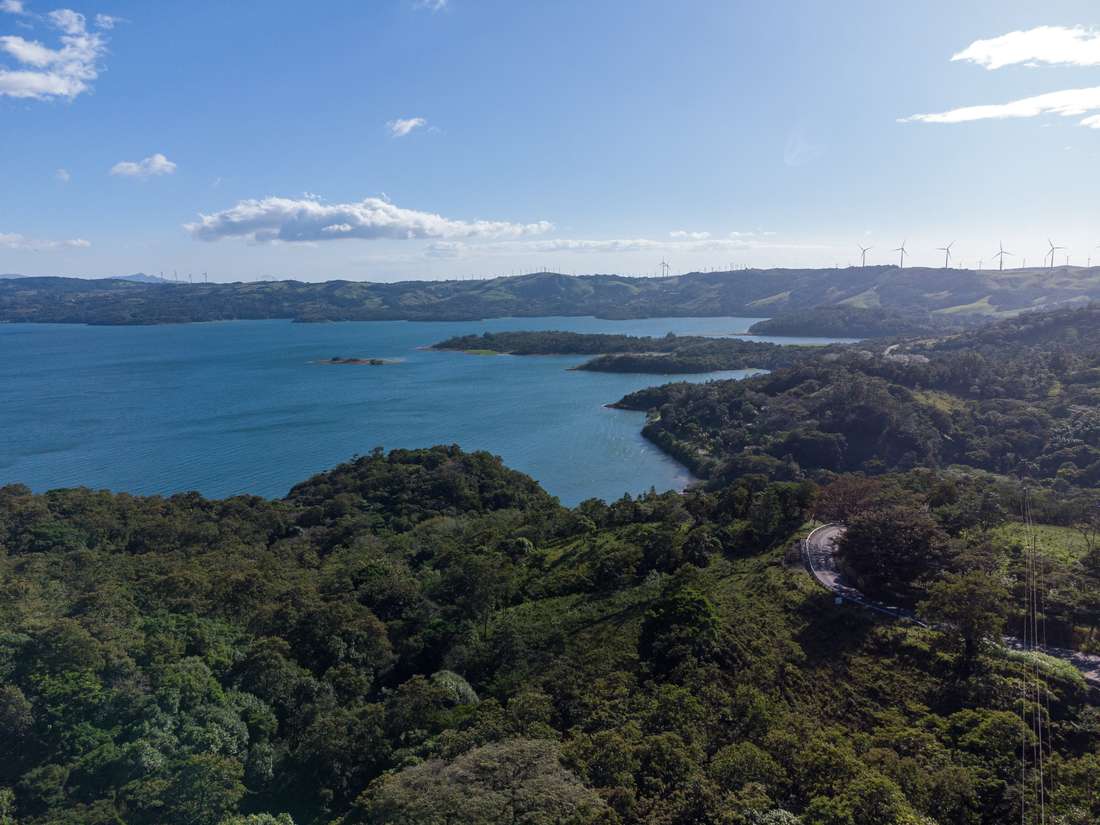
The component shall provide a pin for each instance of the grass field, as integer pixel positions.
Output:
(940, 400)
(771, 299)
(868, 299)
(1061, 543)
(979, 307)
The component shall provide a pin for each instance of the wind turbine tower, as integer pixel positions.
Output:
(901, 249)
(1000, 256)
(665, 268)
(863, 250)
(1053, 249)
(946, 250)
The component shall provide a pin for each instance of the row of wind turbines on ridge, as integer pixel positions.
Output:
(946, 250)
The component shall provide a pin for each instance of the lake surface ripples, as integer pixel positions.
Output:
(242, 407)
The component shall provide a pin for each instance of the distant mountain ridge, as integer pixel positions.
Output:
(955, 293)
(137, 277)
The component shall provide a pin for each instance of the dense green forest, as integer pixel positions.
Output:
(629, 353)
(427, 637)
(1019, 397)
(848, 321)
(954, 293)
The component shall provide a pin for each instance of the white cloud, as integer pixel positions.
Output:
(106, 21)
(1067, 103)
(308, 219)
(13, 240)
(46, 73)
(1051, 45)
(12, 6)
(1054, 45)
(151, 166)
(62, 175)
(69, 21)
(684, 235)
(29, 52)
(457, 249)
(430, 5)
(402, 126)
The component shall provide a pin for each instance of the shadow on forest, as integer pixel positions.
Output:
(831, 630)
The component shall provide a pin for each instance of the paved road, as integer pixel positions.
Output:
(820, 553)
(820, 547)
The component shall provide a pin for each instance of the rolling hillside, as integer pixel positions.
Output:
(959, 294)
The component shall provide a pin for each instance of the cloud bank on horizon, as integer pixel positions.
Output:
(308, 219)
(45, 73)
(14, 240)
(1043, 45)
(680, 242)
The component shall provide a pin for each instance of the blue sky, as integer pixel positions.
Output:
(397, 139)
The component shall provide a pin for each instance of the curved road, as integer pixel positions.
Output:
(820, 552)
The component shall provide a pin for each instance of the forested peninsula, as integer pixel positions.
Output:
(1019, 396)
(628, 353)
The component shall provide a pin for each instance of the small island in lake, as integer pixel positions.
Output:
(370, 362)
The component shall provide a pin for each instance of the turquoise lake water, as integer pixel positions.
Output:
(238, 407)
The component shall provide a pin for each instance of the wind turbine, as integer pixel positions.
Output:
(863, 252)
(901, 249)
(1000, 256)
(1053, 249)
(946, 250)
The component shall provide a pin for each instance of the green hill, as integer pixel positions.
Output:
(1018, 397)
(950, 293)
(427, 637)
